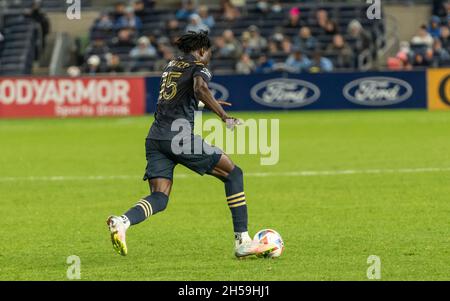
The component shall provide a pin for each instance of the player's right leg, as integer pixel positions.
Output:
(159, 173)
(146, 207)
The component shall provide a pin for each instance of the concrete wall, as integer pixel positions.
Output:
(409, 18)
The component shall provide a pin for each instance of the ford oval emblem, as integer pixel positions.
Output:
(285, 93)
(377, 91)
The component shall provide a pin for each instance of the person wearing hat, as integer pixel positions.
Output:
(196, 24)
(256, 41)
(434, 27)
(129, 20)
(294, 21)
(143, 49)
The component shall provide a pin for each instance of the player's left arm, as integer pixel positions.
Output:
(203, 94)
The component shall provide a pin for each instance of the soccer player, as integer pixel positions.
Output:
(183, 84)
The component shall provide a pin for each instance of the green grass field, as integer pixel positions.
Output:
(387, 194)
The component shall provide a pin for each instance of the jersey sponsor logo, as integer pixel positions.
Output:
(377, 91)
(285, 93)
(206, 71)
(219, 91)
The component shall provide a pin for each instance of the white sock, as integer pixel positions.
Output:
(126, 221)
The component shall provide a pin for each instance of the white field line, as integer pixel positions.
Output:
(310, 173)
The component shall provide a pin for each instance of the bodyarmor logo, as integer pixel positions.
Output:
(285, 93)
(377, 91)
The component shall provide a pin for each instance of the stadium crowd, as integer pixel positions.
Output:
(430, 47)
(291, 46)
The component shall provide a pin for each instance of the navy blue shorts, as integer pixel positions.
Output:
(161, 159)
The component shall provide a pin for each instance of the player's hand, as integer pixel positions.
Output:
(231, 122)
(224, 103)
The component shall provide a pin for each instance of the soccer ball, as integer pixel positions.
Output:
(270, 237)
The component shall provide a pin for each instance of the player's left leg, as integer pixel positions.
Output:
(233, 178)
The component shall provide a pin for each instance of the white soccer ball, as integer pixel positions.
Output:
(272, 238)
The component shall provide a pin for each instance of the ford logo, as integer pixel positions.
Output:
(285, 93)
(218, 91)
(377, 91)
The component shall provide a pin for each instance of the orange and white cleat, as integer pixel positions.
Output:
(118, 229)
(245, 246)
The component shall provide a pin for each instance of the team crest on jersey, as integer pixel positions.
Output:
(206, 71)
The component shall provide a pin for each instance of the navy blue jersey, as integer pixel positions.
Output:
(176, 99)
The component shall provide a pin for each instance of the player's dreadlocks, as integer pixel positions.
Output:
(193, 41)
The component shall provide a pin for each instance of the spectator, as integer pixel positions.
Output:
(405, 52)
(305, 41)
(196, 24)
(73, 71)
(263, 7)
(294, 21)
(445, 37)
(186, 10)
(256, 42)
(207, 19)
(93, 65)
(161, 63)
(245, 43)
(113, 64)
(320, 63)
(265, 64)
(143, 49)
(331, 28)
(278, 35)
(39, 17)
(422, 38)
(104, 23)
(229, 10)
(232, 47)
(123, 39)
(440, 55)
(97, 47)
(434, 28)
(276, 7)
(119, 11)
(173, 28)
(420, 60)
(139, 8)
(245, 65)
(298, 62)
(286, 45)
(272, 47)
(356, 31)
(321, 18)
(129, 20)
(344, 52)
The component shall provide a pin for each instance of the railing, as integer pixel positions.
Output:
(391, 39)
(59, 54)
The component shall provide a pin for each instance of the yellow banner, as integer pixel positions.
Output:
(438, 89)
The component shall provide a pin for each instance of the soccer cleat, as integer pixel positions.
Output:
(250, 247)
(117, 229)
